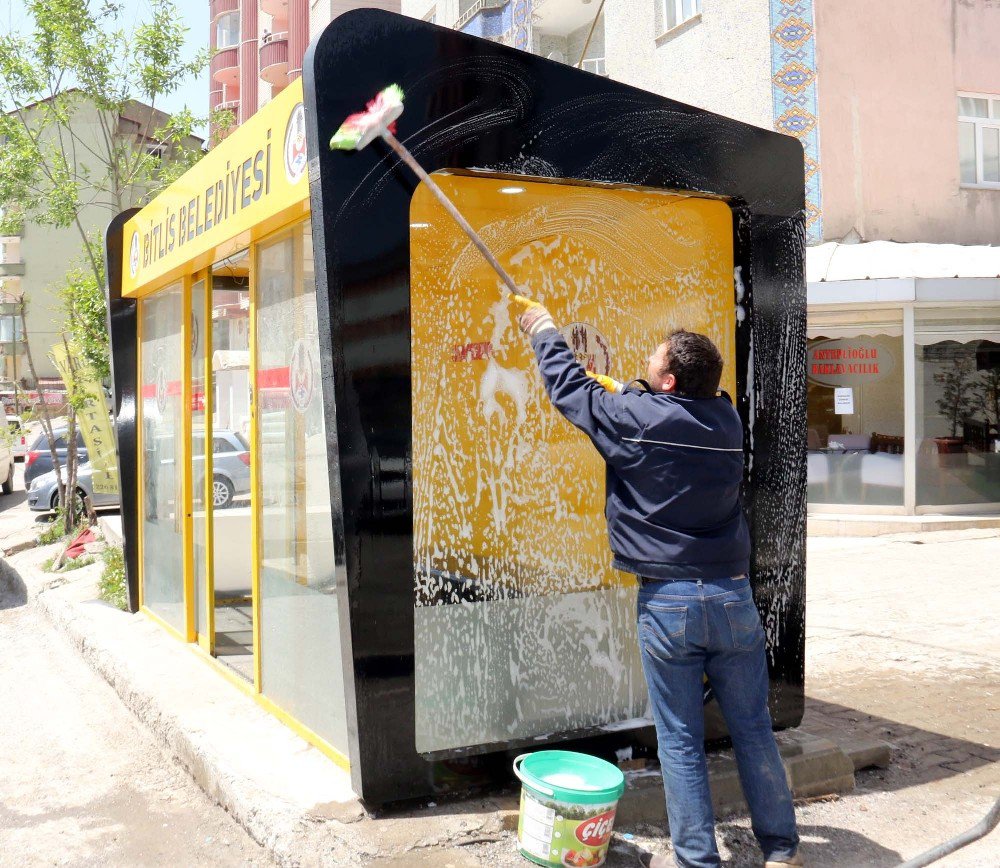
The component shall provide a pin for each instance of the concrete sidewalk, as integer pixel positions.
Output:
(865, 685)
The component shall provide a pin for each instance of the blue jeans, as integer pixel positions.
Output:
(711, 626)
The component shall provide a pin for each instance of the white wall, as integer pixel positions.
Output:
(721, 62)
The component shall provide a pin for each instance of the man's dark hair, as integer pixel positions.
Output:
(695, 362)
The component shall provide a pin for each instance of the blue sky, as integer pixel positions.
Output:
(195, 13)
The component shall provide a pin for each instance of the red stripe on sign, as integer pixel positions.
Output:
(273, 378)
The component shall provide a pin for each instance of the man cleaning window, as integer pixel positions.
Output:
(674, 454)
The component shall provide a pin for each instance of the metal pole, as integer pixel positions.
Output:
(418, 170)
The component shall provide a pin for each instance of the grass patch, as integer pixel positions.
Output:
(73, 564)
(55, 531)
(111, 586)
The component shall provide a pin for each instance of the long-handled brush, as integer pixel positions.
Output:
(379, 120)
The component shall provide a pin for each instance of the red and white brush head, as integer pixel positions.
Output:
(361, 128)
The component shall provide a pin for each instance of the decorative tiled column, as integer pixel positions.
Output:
(298, 36)
(793, 84)
(249, 61)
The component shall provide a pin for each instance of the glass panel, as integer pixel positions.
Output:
(501, 482)
(198, 464)
(230, 506)
(967, 152)
(670, 13)
(228, 30)
(300, 636)
(689, 8)
(855, 415)
(995, 109)
(162, 442)
(991, 154)
(973, 107)
(958, 406)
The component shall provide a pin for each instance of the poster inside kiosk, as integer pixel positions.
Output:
(252, 183)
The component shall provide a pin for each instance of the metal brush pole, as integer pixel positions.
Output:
(418, 170)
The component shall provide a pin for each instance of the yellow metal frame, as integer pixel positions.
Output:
(140, 462)
(203, 646)
(187, 526)
(255, 499)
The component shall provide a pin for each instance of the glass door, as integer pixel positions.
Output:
(227, 461)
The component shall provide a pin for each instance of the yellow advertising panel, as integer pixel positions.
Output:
(92, 419)
(522, 626)
(244, 187)
(505, 490)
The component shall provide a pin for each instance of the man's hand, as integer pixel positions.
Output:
(534, 318)
(609, 383)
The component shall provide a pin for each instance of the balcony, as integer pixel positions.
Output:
(225, 66)
(10, 257)
(274, 59)
(277, 9)
(485, 18)
(562, 17)
(221, 7)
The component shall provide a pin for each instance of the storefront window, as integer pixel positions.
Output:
(958, 406)
(162, 456)
(855, 409)
(300, 635)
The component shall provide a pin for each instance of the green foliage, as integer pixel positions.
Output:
(75, 137)
(56, 530)
(82, 296)
(112, 586)
(71, 564)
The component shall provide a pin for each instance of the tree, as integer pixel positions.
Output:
(956, 401)
(84, 140)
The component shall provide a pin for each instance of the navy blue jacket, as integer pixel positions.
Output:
(674, 467)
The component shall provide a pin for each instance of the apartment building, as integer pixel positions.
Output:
(897, 107)
(258, 46)
(34, 262)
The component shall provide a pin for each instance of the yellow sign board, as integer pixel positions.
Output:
(92, 419)
(255, 175)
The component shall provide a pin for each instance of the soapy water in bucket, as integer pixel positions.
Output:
(570, 781)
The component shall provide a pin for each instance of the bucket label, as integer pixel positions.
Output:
(561, 834)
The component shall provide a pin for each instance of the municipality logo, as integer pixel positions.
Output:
(133, 255)
(295, 145)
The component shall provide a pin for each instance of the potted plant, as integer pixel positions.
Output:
(957, 400)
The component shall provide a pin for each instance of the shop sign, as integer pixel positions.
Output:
(239, 184)
(849, 361)
(92, 418)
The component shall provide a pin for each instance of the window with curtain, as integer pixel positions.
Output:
(227, 34)
(979, 139)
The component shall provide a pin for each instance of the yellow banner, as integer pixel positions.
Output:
(92, 419)
(258, 172)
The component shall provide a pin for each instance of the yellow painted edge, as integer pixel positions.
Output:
(304, 732)
(160, 622)
(255, 500)
(140, 456)
(207, 642)
(187, 524)
(300, 729)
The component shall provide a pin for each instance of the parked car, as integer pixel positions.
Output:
(6, 458)
(38, 458)
(230, 473)
(230, 465)
(19, 436)
(43, 492)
